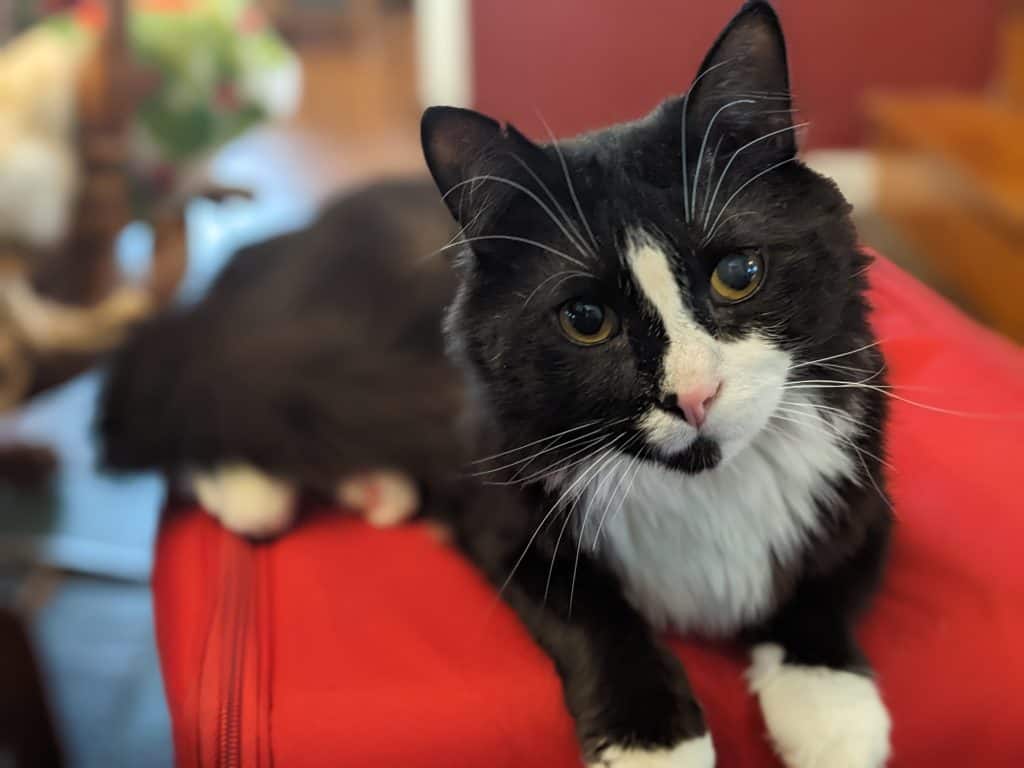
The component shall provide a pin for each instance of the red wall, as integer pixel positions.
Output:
(585, 63)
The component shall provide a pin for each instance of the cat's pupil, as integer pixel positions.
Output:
(738, 271)
(585, 317)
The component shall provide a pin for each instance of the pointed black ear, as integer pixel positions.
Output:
(461, 146)
(744, 80)
(454, 140)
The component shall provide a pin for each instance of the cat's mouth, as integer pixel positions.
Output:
(702, 454)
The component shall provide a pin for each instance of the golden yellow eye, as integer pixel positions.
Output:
(586, 323)
(738, 275)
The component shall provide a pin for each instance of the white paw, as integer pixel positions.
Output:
(247, 501)
(819, 717)
(692, 753)
(384, 497)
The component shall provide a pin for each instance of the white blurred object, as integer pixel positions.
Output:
(38, 168)
(443, 52)
(854, 170)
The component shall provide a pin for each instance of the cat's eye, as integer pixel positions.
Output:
(586, 322)
(738, 276)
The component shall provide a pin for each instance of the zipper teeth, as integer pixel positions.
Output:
(229, 731)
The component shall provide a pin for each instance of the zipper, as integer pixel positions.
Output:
(233, 707)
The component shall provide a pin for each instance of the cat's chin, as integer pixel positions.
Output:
(702, 454)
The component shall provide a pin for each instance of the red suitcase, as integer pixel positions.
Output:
(345, 646)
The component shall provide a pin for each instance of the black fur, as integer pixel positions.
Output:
(314, 355)
(527, 382)
(295, 363)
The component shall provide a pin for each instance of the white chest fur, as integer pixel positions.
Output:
(697, 552)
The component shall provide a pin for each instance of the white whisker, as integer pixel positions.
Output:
(591, 472)
(536, 533)
(818, 423)
(893, 395)
(841, 354)
(707, 238)
(577, 239)
(568, 181)
(558, 446)
(743, 186)
(514, 239)
(703, 145)
(638, 463)
(711, 204)
(515, 185)
(682, 138)
(565, 275)
(583, 525)
(832, 409)
(577, 428)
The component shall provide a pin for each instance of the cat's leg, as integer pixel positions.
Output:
(383, 497)
(820, 700)
(246, 500)
(628, 693)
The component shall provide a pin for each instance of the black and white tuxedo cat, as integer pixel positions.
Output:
(665, 333)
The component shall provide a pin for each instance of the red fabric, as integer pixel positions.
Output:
(340, 645)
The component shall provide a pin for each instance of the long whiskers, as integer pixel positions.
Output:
(709, 207)
(540, 440)
(536, 531)
(744, 185)
(577, 240)
(636, 465)
(682, 129)
(583, 525)
(526, 191)
(565, 275)
(841, 354)
(839, 384)
(591, 472)
(514, 239)
(568, 181)
(575, 439)
(703, 145)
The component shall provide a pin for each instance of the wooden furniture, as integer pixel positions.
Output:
(952, 182)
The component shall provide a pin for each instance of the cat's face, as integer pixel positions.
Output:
(651, 287)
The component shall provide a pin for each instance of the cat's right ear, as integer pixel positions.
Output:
(460, 146)
(454, 140)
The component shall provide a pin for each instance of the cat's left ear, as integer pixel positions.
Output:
(743, 86)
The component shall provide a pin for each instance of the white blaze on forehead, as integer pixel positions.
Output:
(691, 357)
(653, 274)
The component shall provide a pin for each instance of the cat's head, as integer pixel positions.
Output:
(656, 281)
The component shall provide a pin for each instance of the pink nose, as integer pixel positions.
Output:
(695, 402)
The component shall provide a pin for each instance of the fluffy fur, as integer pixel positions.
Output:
(315, 357)
(819, 717)
(602, 508)
(757, 511)
(695, 753)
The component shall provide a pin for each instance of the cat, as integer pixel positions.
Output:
(678, 395)
(314, 363)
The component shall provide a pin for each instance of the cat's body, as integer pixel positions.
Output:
(681, 409)
(315, 358)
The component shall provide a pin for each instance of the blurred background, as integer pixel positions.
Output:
(142, 142)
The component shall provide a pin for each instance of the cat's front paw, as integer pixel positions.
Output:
(698, 752)
(383, 497)
(820, 717)
(246, 501)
